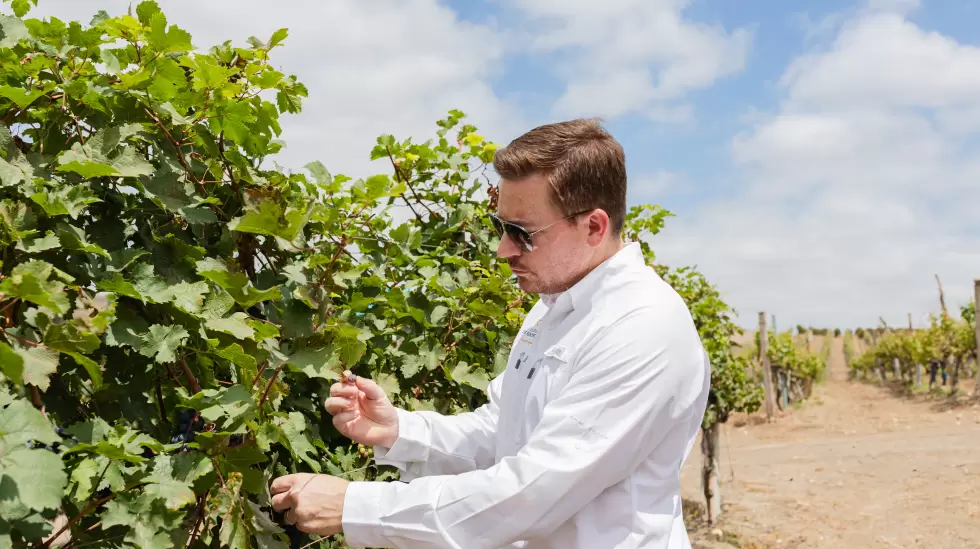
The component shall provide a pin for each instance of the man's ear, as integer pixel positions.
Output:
(598, 226)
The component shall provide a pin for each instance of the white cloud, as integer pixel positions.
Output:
(632, 56)
(883, 59)
(858, 189)
(371, 67)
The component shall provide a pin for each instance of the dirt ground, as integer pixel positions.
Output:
(857, 466)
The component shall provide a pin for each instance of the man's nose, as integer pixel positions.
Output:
(507, 247)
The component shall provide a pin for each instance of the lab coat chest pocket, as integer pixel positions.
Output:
(545, 384)
(513, 393)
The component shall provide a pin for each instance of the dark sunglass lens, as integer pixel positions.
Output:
(524, 239)
(515, 232)
(497, 225)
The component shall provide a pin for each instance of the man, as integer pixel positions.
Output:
(582, 441)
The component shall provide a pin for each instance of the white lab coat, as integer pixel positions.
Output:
(581, 444)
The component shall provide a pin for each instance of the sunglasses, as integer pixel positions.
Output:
(519, 234)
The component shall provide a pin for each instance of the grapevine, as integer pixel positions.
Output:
(944, 351)
(178, 310)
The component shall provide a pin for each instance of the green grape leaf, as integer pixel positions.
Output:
(35, 477)
(67, 338)
(161, 342)
(21, 97)
(39, 364)
(188, 296)
(70, 201)
(21, 7)
(236, 284)
(477, 379)
(167, 41)
(349, 342)
(11, 364)
(12, 31)
(30, 281)
(235, 325)
(35, 245)
(269, 219)
(294, 435)
(317, 362)
(20, 422)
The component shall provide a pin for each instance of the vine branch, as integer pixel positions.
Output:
(176, 146)
(402, 179)
(268, 386)
(88, 509)
(195, 386)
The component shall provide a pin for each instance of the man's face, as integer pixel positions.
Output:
(561, 253)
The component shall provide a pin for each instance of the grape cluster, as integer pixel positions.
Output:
(365, 451)
(54, 446)
(101, 494)
(188, 423)
(296, 537)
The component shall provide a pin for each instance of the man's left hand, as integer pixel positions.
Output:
(313, 503)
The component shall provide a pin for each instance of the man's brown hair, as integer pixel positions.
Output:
(585, 165)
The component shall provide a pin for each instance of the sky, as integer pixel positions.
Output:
(821, 157)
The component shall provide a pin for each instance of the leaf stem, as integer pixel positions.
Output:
(159, 394)
(200, 517)
(314, 542)
(402, 179)
(36, 398)
(275, 374)
(195, 386)
(227, 166)
(176, 146)
(25, 341)
(258, 375)
(88, 509)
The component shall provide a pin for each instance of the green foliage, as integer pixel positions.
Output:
(151, 266)
(785, 354)
(947, 340)
(734, 388)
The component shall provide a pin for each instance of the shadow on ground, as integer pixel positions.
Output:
(940, 397)
(719, 536)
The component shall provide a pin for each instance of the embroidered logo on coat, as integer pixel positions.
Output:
(528, 335)
(556, 351)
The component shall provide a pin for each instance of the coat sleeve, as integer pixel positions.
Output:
(637, 391)
(430, 443)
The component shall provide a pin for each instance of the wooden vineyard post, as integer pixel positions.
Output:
(918, 367)
(954, 377)
(784, 389)
(976, 304)
(766, 368)
(710, 469)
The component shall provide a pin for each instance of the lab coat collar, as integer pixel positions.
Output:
(630, 255)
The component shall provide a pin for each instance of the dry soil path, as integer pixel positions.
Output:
(855, 467)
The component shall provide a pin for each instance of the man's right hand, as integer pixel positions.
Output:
(362, 412)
